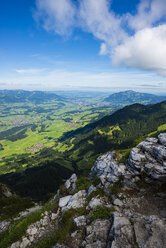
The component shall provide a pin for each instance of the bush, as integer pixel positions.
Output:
(82, 183)
(96, 181)
(101, 212)
(98, 192)
(116, 188)
(18, 230)
(142, 184)
(12, 206)
(66, 227)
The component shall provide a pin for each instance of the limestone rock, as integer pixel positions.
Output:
(107, 169)
(149, 157)
(53, 216)
(150, 233)
(32, 231)
(97, 234)
(60, 246)
(162, 139)
(15, 245)
(64, 201)
(122, 234)
(76, 201)
(25, 243)
(4, 225)
(71, 183)
(118, 203)
(91, 189)
(80, 221)
(95, 201)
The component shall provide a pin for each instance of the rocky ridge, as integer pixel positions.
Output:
(124, 209)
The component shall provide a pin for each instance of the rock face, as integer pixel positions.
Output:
(5, 191)
(73, 201)
(129, 218)
(4, 226)
(80, 221)
(107, 169)
(97, 234)
(150, 157)
(71, 183)
(37, 230)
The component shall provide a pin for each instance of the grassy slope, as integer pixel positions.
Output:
(117, 131)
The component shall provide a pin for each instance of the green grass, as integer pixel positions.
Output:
(54, 127)
(101, 212)
(18, 230)
(122, 155)
(116, 188)
(98, 192)
(12, 206)
(65, 228)
(82, 183)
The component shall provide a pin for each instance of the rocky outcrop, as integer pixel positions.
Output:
(106, 217)
(4, 225)
(73, 201)
(38, 230)
(149, 157)
(71, 184)
(108, 169)
(5, 191)
(97, 234)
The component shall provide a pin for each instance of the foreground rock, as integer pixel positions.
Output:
(108, 169)
(71, 184)
(97, 234)
(149, 157)
(73, 201)
(4, 225)
(117, 213)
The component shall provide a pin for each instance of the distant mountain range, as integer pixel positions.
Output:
(131, 97)
(19, 96)
(117, 100)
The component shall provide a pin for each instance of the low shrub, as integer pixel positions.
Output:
(82, 183)
(18, 230)
(101, 212)
(116, 188)
(12, 206)
(98, 192)
(66, 227)
(96, 181)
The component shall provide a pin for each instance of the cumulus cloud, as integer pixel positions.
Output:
(145, 50)
(137, 41)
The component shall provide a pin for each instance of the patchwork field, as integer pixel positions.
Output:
(28, 128)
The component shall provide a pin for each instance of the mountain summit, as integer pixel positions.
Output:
(130, 97)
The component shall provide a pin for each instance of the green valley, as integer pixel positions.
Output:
(44, 143)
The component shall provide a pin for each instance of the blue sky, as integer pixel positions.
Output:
(83, 44)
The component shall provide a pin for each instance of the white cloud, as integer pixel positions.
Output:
(30, 71)
(145, 50)
(149, 12)
(96, 18)
(132, 40)
(56, 15)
